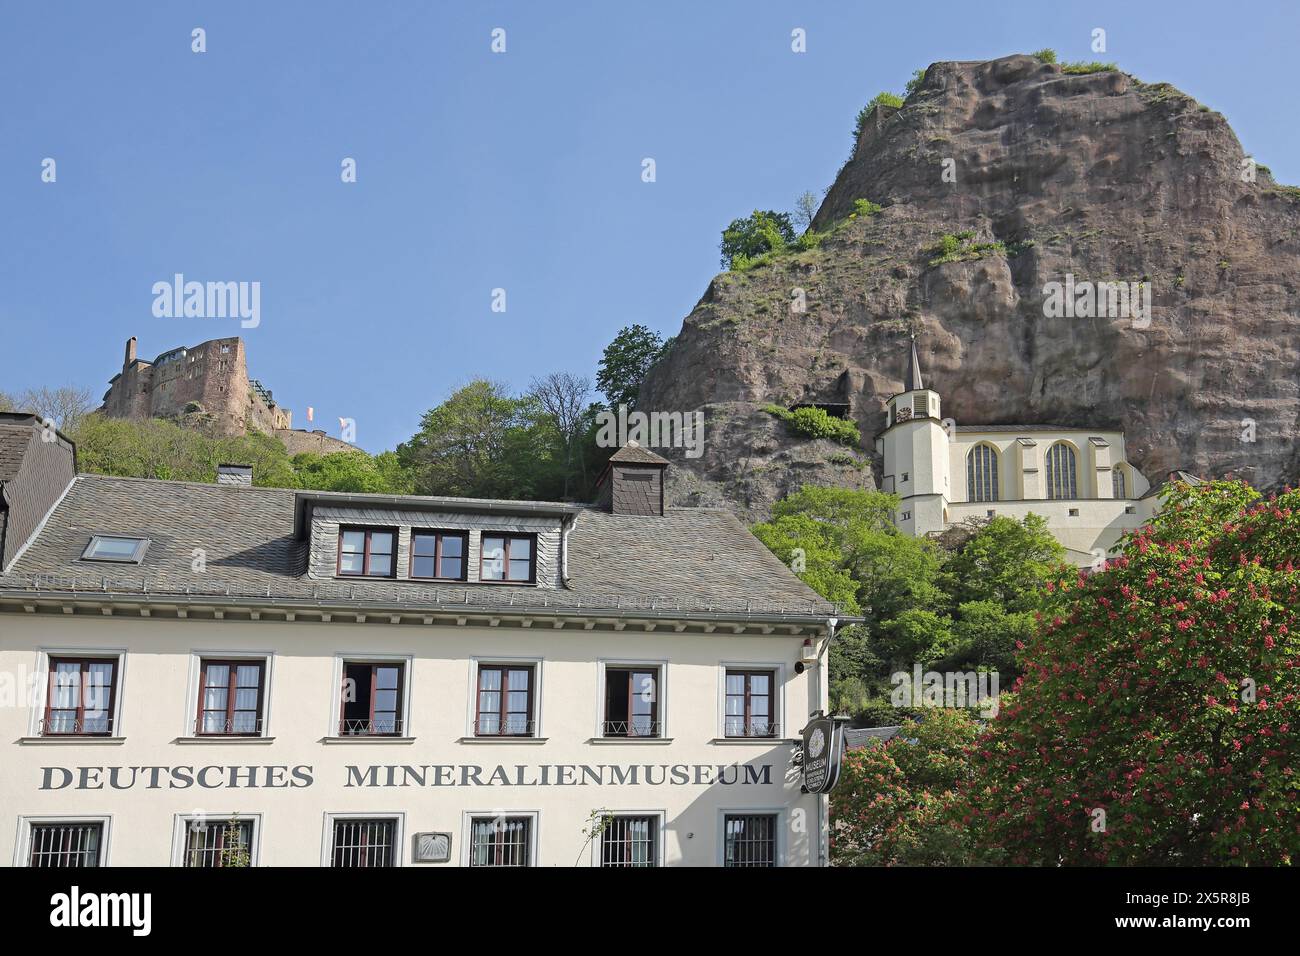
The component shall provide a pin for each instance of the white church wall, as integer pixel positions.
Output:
(1021, 468)
(1096, 524)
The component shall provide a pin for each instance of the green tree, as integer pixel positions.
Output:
(1005, 561)
(462, 444)
(756, 234)
(985, 635)
(563, 398)
(894, 573)
(1153, 722)
(815, 551)
(353, 471)
(843, 544)
(397, 479)
(817, 531)
(915, 636)
(625, 362)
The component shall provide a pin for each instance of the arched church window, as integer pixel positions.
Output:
(1117, 481)
(1061, 481)
(982, 474)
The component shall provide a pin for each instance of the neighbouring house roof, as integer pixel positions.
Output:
(1171, 479)
(689, 559)
(863, 736)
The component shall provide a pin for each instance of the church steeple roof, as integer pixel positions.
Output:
(912, 380)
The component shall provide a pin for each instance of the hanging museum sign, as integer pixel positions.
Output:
(823, 748)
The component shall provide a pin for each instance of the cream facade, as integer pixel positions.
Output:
(945, 473)
(226, 675)
(154, 774)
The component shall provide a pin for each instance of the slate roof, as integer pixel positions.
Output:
(912, 380)
(1172, 478)
(14, 440)
(862, 736)
(635, 454)
(689, 559)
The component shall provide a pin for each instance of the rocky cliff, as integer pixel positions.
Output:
(1035, 174)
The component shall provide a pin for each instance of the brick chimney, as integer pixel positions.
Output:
(37, 465)
(235, 475)
(130, 353)
(633, 482)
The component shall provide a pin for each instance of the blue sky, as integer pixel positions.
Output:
(475, 170)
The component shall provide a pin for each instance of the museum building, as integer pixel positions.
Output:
(227, 675)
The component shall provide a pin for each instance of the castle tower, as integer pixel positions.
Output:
(916, 455)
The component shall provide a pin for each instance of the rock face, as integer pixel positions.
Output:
(1098, 177)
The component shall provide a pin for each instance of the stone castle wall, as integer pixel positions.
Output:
(209, 381)
(299, 441)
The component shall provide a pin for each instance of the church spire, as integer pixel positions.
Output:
(912, 380)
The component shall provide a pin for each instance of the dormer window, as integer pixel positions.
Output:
(507, 558)
(121, 550)
(367, 552)
(439, 555)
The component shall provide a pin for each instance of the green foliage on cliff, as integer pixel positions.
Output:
(1091, 66)
(816, 423)
(961, 247)
(884, 98)
(865, 208)
(1048, 55)
(756, 235)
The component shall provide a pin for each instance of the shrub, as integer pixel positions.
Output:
(809, 240)
(749, 238)
(1090, 67)
(914, 84)
(816, 423)
(880, 99)
(958, 247)
(1045, 55)
(865, 207)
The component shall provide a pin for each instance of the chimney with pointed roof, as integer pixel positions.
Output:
(633, 482)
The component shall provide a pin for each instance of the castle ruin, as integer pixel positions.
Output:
(207, 382)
